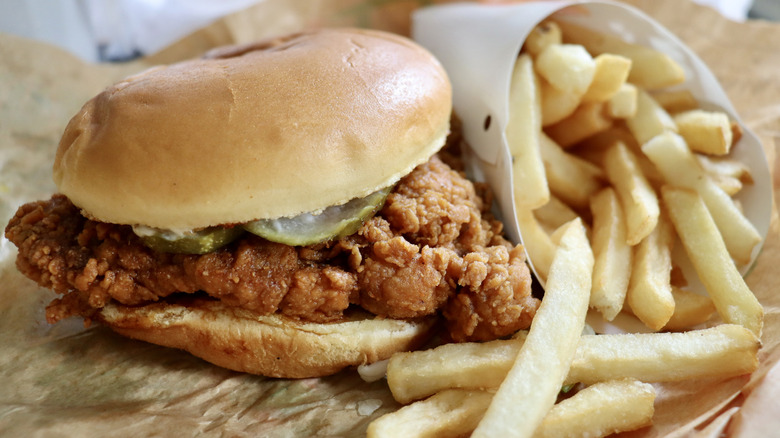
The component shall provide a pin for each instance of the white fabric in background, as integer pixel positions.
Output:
(125, 28)
(736, 10)
(116, 30)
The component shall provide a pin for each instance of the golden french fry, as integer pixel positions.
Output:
(601, 409)
(726, 167)
(726, 350)
(650, 290)
(567, 67)
(730, 185)
(622, 104)
(598, 410)
(675, 101)
(556, 104)
(537, 243)
(452, 412)
(570, 178)
(729, 174)
(612, 255)
(680, 167)
(708, 132)
(637, 197)
(553, 214)
(649, 119)
(610, 74)
(533, 382)
(706, 249)
(650, 69)
(587, 120)
(677, 277)
(470, 365)
(690, 309)
(544, 34)
(594, 147)
(736, 132)
(522, 134)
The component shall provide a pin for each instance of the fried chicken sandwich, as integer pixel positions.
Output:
(279, 208)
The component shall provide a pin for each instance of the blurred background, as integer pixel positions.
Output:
(120, 30)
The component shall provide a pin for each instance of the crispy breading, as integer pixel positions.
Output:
(433, 246)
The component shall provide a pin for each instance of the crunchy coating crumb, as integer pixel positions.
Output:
(432, 248)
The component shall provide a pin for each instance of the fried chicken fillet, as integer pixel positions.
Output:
(433, 247)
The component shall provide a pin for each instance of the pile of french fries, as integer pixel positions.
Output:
(611, 168)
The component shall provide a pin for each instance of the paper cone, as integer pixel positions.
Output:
(478, 45)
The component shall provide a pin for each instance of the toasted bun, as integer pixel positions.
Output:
(263, 131)
(268, 345)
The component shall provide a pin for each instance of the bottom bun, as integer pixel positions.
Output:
(268, 345)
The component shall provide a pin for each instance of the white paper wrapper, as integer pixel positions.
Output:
(478, 45)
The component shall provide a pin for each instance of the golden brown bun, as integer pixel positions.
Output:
(268, 345)
(275, 129)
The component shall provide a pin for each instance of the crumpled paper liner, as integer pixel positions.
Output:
(63, 380)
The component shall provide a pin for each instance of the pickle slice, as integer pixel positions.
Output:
(333, 222)
(193, 242)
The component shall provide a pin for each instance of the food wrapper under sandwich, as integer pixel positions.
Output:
(64, 380)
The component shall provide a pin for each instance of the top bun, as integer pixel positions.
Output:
(273, 129)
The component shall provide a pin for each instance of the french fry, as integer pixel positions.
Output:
(728, 174)
(533, 382)
(556, 104)
(708, 132)
(570, 178)
(553, 214)
(650, 69)
(544, 34)
(622, 104)
(522, 134)
(637, 197)
(612, 255)
(727, 167)
(731, 186)
(567, 67)
(725, 350)
(706, 249)
(649, 119)
(452, 412)
(598, 410)
(601, 409)
(415, 375)
(594, 147)
(722, 351)
(650, 291)
(690, 310)
(677, 277)
(676, 101)
(588, 119)
(537, 243)
(610, 74)
(680, 167)
(736, 132)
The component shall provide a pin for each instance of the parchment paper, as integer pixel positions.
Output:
(63, 380)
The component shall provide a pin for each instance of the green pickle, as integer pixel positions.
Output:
(333, 222)
(304, 229)
(194, 242)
